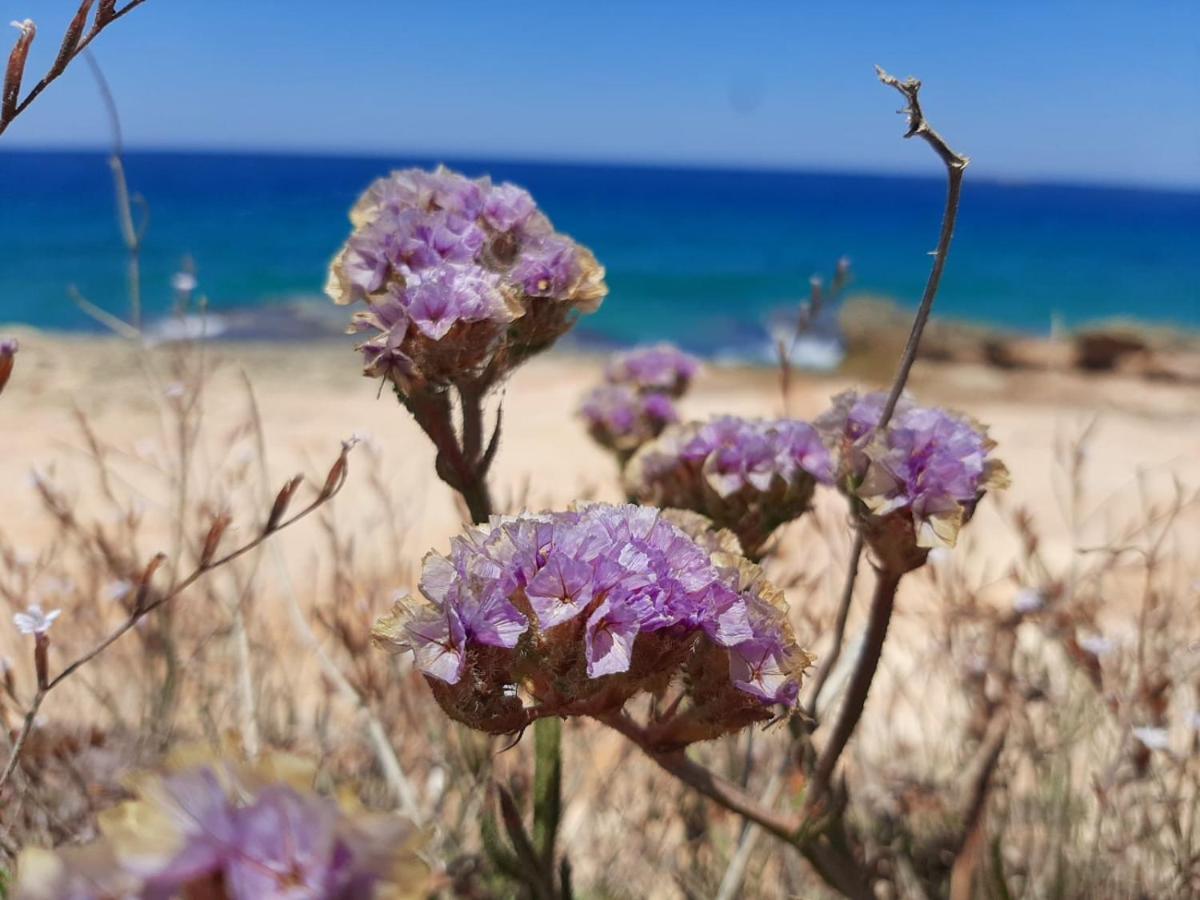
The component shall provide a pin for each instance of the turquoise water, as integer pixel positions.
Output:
(701, 256)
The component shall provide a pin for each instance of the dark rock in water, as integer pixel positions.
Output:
(1102, 351)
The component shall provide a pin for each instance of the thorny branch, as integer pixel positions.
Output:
(147, 603)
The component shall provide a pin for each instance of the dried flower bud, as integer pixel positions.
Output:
(71, 38)
(213, 539)
(282, 501)
(16, 69)
(585, 608)
(916, 484)
(749, 476)
(8, 352)
(143, 589)
(463, 279)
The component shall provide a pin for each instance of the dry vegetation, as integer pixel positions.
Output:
(272, 651)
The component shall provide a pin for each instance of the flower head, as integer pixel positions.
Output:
(584, 608)
(463, 279)
(34, 620)
(747, 475)
(225, 830)
(918, 482)
(621, 419)
(661, 368)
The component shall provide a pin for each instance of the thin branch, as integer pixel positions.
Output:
(72, 46)
(142, 609)
(860, 685)
(839, 628)
(956, 164)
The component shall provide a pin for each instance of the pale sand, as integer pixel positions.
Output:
(311, 397)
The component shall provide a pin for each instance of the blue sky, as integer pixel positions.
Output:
(1052, 89)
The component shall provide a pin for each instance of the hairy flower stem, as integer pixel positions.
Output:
(460, 462)
(882, 604)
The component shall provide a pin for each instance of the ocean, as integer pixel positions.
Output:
(701, 256)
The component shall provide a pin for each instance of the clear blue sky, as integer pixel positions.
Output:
(1081, 90)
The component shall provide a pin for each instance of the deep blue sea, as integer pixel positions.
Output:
(700, 256)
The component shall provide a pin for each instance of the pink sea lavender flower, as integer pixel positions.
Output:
(440, 298)
(225, 830)
(661, 368)
(34, 620)
(747, 475)
(430, 250)
(507, 206)
(917, 483)
(621, 419)
(584, 607)
(548, 267)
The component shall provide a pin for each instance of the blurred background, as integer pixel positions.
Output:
(713, 159)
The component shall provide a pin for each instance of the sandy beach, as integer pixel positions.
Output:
(1144, 437)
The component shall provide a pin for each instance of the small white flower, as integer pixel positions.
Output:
(183, 282)
(34, 620)
(1028, 600)
(1097, 645)
(117, 590)
(24, 26)
(1153, 738)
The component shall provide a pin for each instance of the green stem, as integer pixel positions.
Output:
(547, 788)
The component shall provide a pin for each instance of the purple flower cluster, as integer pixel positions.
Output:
(747, 475)
(217, 831)
(587, 607)
(636, 402)
(929, 465)
(661, 368)
(622, 419)
(463, 278)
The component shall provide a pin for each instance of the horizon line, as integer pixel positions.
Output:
(730, 166)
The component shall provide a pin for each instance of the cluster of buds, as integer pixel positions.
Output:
(636, 402)
(218, 830)
(914, 483)
(578, 611)
(8, 352)
(749, 476)
(463, 279)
